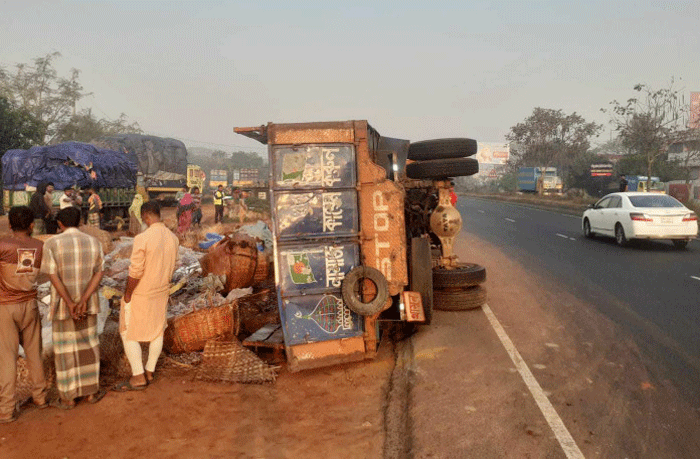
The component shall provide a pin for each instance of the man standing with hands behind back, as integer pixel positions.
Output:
(74, 262)
(144, 307)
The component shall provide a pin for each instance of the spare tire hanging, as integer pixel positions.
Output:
(352, 292)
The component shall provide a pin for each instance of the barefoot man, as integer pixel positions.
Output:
(145, 303)
(74, 262)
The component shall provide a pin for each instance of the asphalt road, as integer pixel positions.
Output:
(651, 290)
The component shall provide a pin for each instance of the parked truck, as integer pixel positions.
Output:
(363, 230)
(73, 164)
(161, 162)
(532, 179)
(218, 177)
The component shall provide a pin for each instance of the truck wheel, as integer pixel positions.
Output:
(441, 148)
(464, 275)
(352, 292)
(459, 299)
(439, 169)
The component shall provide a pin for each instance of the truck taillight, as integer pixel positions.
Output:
(691, 217)
(640, 217)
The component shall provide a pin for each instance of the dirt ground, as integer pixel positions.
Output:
(465, 399)
(335, 412)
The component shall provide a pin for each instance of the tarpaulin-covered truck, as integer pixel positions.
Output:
(73, 164)
(162, 163)
(359, 221)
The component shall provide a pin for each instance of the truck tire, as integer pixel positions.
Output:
(464, 275)
(441, 149)
(459, 299)
(351, 287)
(439, 169)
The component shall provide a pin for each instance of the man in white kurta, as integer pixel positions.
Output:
(145, 302)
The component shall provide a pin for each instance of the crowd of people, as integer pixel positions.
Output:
(41, 203)
(74, 264)
(189, 207)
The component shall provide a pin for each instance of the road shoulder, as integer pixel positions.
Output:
(468, 400)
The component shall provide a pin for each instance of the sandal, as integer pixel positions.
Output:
(125, 386)
(150, 376)
(96, 397)
(61, 405)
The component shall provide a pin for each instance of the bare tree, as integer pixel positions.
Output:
(647, 125)
(84, 127)
(549, 137)
(40, 91)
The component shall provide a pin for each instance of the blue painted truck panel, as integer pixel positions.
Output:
(316, 230)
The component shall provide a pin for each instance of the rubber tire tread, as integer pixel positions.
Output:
(623, 241)
(590, 234)
(442, 148)
(356, 304)
(465, 275)
(459, 299)
(438, 169)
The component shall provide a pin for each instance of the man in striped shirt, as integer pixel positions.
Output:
(74, 262)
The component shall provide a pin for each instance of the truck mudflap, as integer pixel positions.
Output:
(333, 209)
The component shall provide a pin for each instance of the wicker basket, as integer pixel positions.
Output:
(190, 332)
(23, 387)
(236, 257)
(229, 361)
(262, 270)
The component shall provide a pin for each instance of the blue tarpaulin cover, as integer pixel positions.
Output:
(68, 164)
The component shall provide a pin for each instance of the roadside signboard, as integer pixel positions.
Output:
(601, 170)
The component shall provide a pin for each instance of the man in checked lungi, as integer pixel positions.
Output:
(143, 313)
(74, 262)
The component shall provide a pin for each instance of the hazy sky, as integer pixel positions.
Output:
(414, 70)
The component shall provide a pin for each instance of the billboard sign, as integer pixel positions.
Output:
(601, 170)
(493, 153)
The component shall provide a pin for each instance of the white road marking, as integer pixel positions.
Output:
(510, 220)
(563, 235)
(572, 238)
(482, 212)
(571, 449)
(696, 278)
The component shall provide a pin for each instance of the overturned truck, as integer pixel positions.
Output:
(363, 229)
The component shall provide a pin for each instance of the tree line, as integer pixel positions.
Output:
(39, 107)
(646, 127)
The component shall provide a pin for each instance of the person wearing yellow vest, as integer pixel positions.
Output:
(219, 204)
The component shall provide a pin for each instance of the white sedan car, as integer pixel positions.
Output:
(630, 215)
